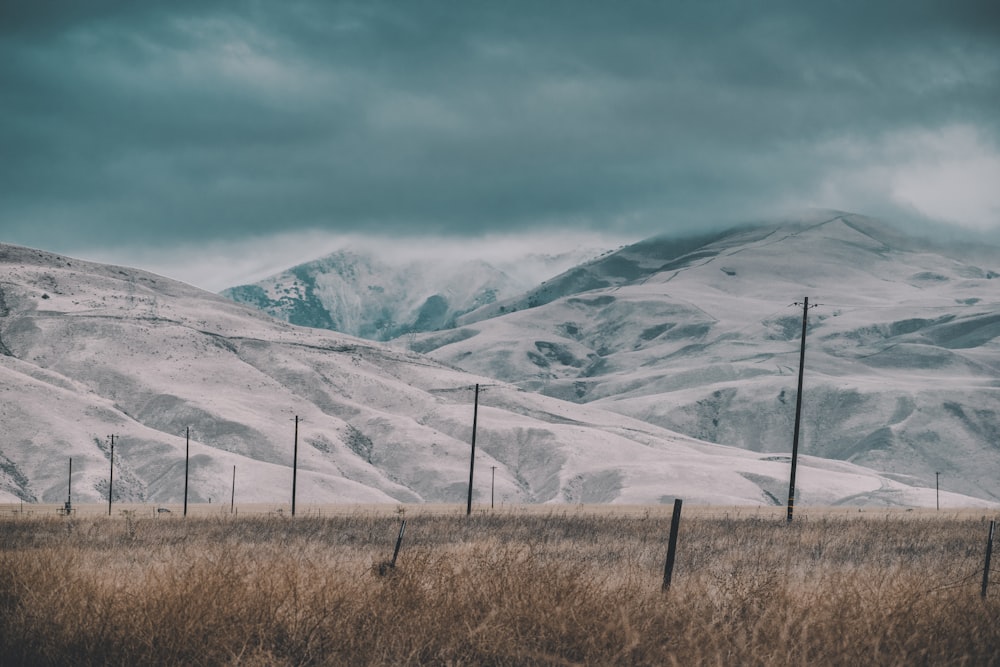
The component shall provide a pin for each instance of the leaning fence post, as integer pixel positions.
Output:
(989, 554)
(388, 566)
(675, 522)
(399, 542)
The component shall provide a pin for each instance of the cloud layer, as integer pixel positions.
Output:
(184, 122)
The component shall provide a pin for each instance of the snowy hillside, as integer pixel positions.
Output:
(91, 350)
(354, 291)
(702, 337)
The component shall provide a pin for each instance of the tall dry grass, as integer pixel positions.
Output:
(495, 589)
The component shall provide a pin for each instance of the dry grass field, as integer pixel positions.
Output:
(519, 586)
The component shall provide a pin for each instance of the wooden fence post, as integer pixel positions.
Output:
(388, 567)
(675, 522)
(399, 542)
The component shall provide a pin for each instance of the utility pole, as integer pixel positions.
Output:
(232, 498)
(187, 464)
(937, 490)
(493, 482)
(69, 489)
(472, 462)
(989, 555)
(111, 477)
(295, 462)
(798, 410)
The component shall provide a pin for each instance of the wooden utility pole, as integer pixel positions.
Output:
(232, 498)
(69, 489)
(472, 462)
(111, 477)
(989, 555)
(493, 483)
(937, 490)
(798, 411)
(187, 465)
(295, 462)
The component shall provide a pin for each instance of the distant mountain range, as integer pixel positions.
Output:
(701, 336)
(356, 292)
(88, 351)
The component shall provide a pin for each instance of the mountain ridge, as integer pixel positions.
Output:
(695, 340)
(96, 350)
(355, 292)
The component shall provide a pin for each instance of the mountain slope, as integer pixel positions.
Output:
(92, 350)
(702, 337)
(354, 292)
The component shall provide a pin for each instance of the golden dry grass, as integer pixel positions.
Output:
(554, 587)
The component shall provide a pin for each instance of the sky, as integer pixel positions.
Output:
(217, 142)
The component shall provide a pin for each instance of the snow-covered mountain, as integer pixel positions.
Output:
(89, 350)
(356, 292)
(702, 336)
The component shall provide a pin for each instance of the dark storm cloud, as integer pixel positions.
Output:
(130, 121)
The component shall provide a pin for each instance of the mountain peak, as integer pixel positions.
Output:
(358, 292)
(698, 335)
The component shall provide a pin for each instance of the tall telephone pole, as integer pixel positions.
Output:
(295, 462)
(68, 507)
(798, 410)
(472, 462)
(187, 464)
(111, 478)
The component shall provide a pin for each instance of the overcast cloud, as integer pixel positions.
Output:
(145, 129)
